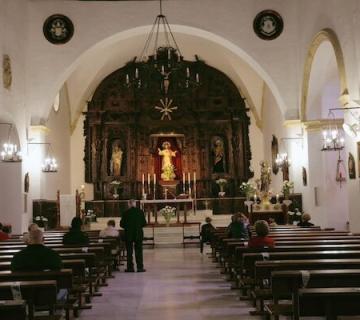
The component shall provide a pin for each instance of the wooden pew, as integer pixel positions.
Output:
(329, 302)
(286, 284)
(13, 309)
(35, 293)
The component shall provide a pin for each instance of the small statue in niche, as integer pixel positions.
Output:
(218, 155)
(265, 177)
(167, 168)
(116, 159)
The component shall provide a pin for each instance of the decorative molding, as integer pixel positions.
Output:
(292, 123)
(324, 35)
(317, 125)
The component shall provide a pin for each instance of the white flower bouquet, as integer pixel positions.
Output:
(167, 212)
(248, 189)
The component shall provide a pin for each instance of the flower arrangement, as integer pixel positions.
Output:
(167, 212)
(287, 187)
(168, 173)
(248, 189)
(41, 221)
(221, 182)
(294, 217)
(115, 184)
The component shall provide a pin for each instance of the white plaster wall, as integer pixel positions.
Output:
(273, 125)
(13, 25)
(58, 124)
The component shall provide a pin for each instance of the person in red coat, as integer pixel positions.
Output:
(3, 235)
(262, 239)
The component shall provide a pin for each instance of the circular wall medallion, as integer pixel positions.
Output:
(58, 29)
(268, 24)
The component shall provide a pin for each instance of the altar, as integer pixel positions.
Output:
(150, 207)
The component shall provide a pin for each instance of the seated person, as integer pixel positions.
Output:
(305, 221)
(261, 240)
(75, 236)
(26, 235)
(206, 232)
(110, 230)
(3, 235)
(237, 228)
(36, 256)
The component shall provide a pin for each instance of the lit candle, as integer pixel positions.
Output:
(154, 179)
(189, 181)
(194, 178)
(255, 198)
(143, 183)
(197, 78)
(149, 179)
(127, 79)
(136, 73)
(183, 178)
(277, 197)
(187, 72)
(82, 187)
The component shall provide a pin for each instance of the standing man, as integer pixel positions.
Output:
(133, 221)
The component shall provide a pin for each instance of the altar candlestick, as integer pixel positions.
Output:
(154, 178)
(277, 198)
(194, 178)
(149, 190)
(255, 198)
(189, 181)
(143, 183)
(154, 186)
(184, 191)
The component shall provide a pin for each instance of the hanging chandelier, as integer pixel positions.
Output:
(161, 66)
(282, 160)
(10, 151)
(333, 140)
(49, 164)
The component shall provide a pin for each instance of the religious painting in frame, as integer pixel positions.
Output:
(274, 152)
(351, 166)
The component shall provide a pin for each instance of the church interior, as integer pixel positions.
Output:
(198, 110)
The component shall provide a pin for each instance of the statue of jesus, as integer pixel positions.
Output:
(167, 168)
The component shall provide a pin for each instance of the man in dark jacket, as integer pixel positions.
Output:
(36, 257)
(75, 236)
(133, 221)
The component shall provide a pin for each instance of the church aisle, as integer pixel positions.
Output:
(179, 284)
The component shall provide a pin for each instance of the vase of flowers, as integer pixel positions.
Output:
(247, 189)
(222, 183)
(115, 184)
(41, 221)
(168, 212)
(287, 188)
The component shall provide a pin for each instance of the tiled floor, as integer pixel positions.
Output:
(179, 284)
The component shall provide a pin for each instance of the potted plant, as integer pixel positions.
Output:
(222, 183)
(168, 212)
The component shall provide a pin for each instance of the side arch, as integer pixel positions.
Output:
(324, 35)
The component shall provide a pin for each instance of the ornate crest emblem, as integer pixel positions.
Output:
(58, 29)
(268, 24)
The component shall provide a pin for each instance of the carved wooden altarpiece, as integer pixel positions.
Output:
(210, 125)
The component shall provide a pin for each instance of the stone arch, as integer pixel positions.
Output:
(324, 35)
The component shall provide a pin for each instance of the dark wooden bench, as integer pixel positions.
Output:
(286, 284)
(13, 309)
(35, 293)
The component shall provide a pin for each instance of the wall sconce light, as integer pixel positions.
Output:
(10, 151)
(50, 163)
